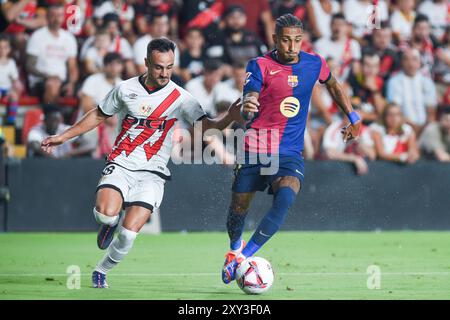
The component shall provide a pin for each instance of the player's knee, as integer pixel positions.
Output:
(104, 216)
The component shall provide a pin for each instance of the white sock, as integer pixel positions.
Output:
(117, 250)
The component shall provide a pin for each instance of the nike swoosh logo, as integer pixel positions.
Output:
(298, 172)
(274, 72)
(263, 234)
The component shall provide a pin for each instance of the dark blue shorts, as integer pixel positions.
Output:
(248, 177)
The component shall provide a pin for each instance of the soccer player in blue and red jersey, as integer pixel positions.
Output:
(277, 92)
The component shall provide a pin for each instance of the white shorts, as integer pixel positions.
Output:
(138, 188)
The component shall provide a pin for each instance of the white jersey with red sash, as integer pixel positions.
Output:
(147, 120)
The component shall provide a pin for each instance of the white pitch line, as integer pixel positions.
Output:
(217, 274)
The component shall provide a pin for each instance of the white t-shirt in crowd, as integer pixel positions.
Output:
(125, 12)
(226, 91)
(97, 86)
(437, 14)
(122, 47)
(343, 52)
(413, 94)
(93, 55)
(332, 137)
(140, 50)
(323, 19)
(401, 25)
(394, 144)
(38, 133)
(52, 52)
(359, 12)
(8, 74)
(197, 89)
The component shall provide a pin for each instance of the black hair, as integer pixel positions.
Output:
(420, 18)
(239, 64)
(211, 65)
(287, 21)
(160, 44)
(50, 108)
(5, 37)
(337, 16)
(107, 18)
(111, 57)
(158, 14)
(369, 53)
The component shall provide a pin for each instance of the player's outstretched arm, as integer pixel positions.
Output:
(220, 123)
(336, 91)
(90, 120)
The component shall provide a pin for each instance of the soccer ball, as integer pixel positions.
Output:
(254, 275)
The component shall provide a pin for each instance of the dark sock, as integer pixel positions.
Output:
(272, 221)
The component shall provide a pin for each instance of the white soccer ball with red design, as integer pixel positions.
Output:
(254, 275)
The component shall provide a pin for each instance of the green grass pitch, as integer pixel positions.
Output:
(308, 265)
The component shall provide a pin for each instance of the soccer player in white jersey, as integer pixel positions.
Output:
(148, 107)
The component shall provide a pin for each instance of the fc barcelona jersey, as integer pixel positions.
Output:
(284, 96)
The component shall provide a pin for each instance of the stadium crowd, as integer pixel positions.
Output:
(393, 57)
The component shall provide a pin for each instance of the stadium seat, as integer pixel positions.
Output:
(32, 117)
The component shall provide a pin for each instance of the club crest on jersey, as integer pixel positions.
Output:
(292, 81)
(290, 107)
(146, 110)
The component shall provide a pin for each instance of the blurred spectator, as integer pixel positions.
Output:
(366, 88)
(52, 58)
(441, 68)
(323, 110)
(10, 86)
(294, 7)
(359, 13)
(422, 40)
(145, 11)
(319, 13)
(394, 140)
(203, 14)
(96, 86)
(437, 12)
(93, 60)
(158, 28)
(354, 151)
(236, 43)
(230, 90)
(413, 92)
(53, 124)
(202, 87)
(122, 8)
(344, 50)
(259, 17)
(191, 59)
(119, 44)
(30, 18)
(258, 14)
(381, 44)
(402, 19)
(99, 142)
(435, 139)
(10, 11)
